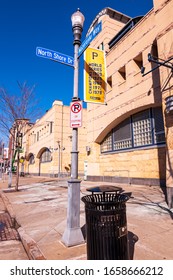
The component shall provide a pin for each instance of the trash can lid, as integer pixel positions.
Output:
(105, 188)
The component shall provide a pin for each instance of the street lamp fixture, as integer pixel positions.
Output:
(77, 20)
(73, 234)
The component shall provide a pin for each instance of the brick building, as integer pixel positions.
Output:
(130, 138)
(47, 143)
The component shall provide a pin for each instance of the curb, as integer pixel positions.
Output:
(32, 249)
(9, 208)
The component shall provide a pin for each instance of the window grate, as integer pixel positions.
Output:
(142, 130)
(107, 144)
(145, 128)
(122, 135)
(46, 156)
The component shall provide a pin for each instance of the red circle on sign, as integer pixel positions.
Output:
(76, 107)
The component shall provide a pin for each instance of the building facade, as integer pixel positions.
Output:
(130, 137)
(46, 144)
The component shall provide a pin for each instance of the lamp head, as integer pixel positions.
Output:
(77, 18)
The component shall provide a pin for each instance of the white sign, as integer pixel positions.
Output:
(76, 114)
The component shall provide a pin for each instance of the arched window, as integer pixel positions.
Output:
(31, 159)
(145, 128)
(46, 156)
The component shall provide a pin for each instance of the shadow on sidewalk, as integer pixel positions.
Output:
(132, 238)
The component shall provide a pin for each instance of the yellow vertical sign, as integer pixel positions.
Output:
(94, 76)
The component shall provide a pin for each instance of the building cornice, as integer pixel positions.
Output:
(112, 14)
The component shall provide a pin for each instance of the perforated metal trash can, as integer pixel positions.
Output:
(106, 226)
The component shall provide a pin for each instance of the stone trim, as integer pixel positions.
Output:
(128, 181)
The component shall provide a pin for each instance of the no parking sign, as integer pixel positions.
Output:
(76, 114)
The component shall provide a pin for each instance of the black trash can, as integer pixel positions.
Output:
(106, 226)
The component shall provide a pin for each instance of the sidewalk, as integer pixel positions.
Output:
(40, 205)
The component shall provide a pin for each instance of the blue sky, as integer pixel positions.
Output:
(25, 25)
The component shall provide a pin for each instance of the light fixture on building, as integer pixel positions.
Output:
(51, 149)
(159, 62)
(88, 150)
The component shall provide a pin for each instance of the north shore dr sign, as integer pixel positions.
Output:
(54, 55)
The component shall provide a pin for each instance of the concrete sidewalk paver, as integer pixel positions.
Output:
(40, 208)
(11, 248)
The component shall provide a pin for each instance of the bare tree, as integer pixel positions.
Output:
(15, 113)
(1, 157)
(1, 147)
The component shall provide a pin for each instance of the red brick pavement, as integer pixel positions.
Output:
(7, 231)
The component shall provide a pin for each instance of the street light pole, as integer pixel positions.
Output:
(11, 155)
(73, 234)
(59, 158)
